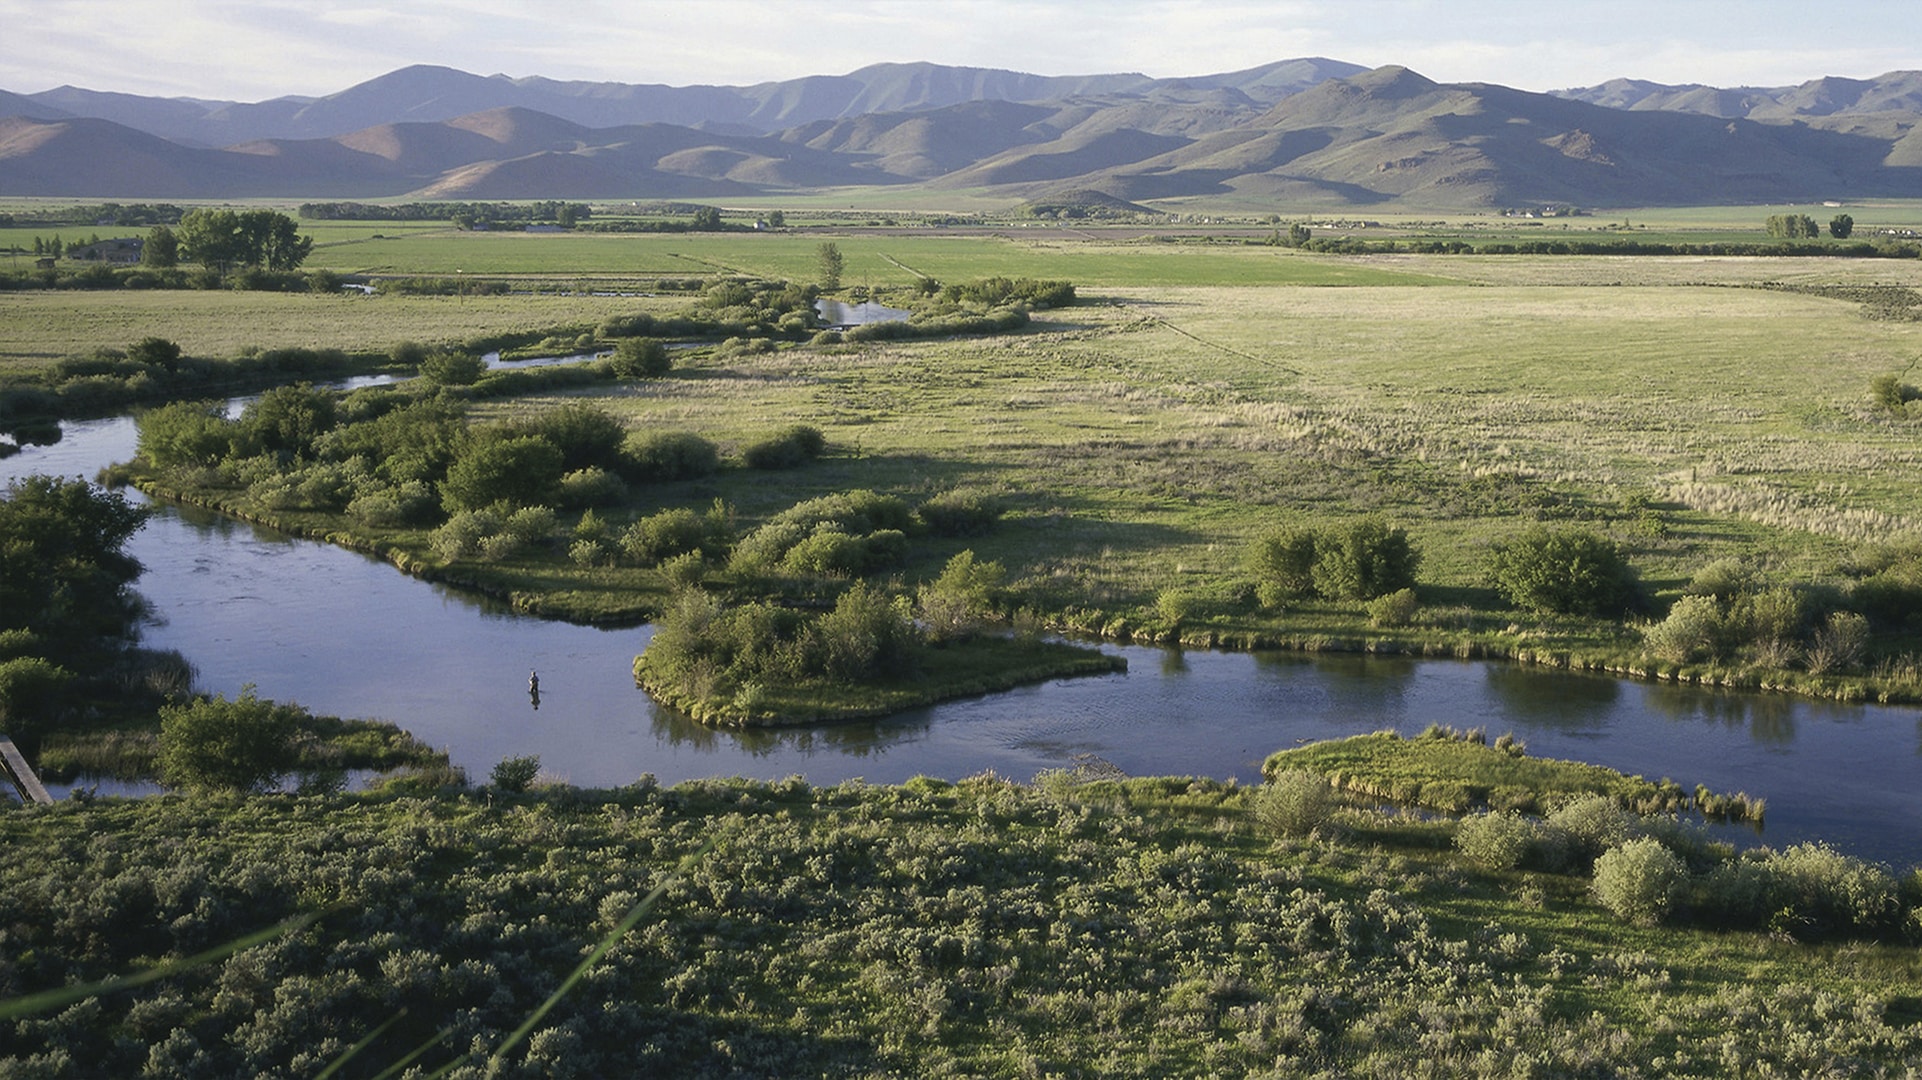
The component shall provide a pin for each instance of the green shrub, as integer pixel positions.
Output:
(1366, 560)
(785, 449)
(213, 744)
(1397, 608)
(662, 536)
(515, 774)
(1640, 881)
(518, 470)
(1295, 803)
(1589, 826)
(1819, 892)
(828, 551)
(462, 534)
(954, 606)
(1693, 630)
(1284, 562)
(1838, 645)
(1497, 840)
(446, 367)
(668, 455)
(1563, 571)
(960, 512)
(866, 635)
(641, 358)
(592, 486)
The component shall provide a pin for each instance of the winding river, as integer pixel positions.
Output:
(349, 635)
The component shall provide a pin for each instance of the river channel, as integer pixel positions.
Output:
(349, 635)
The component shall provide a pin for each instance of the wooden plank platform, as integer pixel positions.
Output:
(23, 776)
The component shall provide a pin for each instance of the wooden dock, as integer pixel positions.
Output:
(23, 777)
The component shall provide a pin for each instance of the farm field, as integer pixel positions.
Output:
(37, 328)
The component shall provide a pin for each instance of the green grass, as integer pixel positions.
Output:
(1450, 772)
(37, 328)
(1143, 439)
(964, 669)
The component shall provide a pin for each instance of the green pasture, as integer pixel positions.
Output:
(876, 258)
(38, 327)
(1141, 443)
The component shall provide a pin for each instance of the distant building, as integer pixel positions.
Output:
(123, 251)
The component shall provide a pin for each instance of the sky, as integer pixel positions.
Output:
(251, 50)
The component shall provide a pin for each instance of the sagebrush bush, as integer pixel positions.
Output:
(1640, 881)
(1590, 825)
(786, 449)
(960, 512)
(1295, 803)
(1397, 608)
(1498, 840)
(668, 455)
(1693, 630)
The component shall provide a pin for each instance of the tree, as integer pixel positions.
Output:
(1793, 227)
(447, 367)
(64, 571)
(287, 419)
(1563, 571)
(162, 249)
(212, 744)
(223, 239)
(1298, 235)
(1840, 226)
(1367, 560)
(831, 264)
(520, 471)
(707, 219)
(776, 219)
(641, 358)
(155, 352)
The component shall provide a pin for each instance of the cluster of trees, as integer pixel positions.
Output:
(1804, 227)
(1730, 612)
(224, 239)
(67, 605)
(729, 308)
(1363, 561)
(152, 369)
(465, 214)
(1649, 871)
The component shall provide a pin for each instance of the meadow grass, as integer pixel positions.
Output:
(37, 328)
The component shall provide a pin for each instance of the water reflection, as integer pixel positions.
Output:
(1540, 699)
(853, 738)
(1768, 719)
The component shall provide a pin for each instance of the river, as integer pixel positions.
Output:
(346, 634)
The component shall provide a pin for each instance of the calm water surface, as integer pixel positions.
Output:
(346, 634)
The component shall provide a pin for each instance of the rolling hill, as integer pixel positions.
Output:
(1313, 130)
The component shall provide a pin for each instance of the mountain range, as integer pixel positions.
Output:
(1306, 131)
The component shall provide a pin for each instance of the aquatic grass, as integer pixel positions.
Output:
(1455, 771)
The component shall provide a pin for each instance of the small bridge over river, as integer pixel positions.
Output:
(22, 773)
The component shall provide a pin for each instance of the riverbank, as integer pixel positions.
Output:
(617, 597)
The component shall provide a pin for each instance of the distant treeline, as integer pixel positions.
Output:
(553, 210)
(1882, 249)
(104, 276)
(111, 213)
(155, 370)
